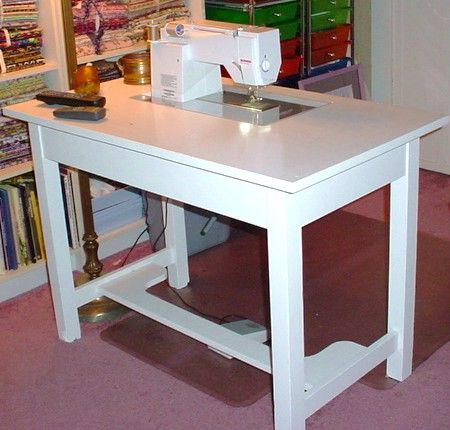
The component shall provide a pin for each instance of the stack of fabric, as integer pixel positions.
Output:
(101, 26)
(14, 139)
(14, 142)
(20, 36)
(142, 13)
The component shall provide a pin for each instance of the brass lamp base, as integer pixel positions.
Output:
(100, 309)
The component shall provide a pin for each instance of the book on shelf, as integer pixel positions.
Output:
(21, 228)
(26, 221)
(24, 251)
(2, 254)
(32, 220)
(37, 221)
(69, 207)
(9, 246)
(35, 249)
(78, 207)
(18, 225)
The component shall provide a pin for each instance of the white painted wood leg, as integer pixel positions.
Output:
(56, 243)
(402, 264)
(175, 234)
(286, 313)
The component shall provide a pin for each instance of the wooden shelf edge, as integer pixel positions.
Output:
(141, 46)
(31, 71)
(16, 170)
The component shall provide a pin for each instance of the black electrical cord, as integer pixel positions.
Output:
(147, 228)
(132, 247)
(220, 320)
(160, 235)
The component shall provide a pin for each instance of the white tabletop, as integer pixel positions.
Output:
(288, 155)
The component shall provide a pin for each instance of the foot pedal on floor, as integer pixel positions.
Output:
(248, 329)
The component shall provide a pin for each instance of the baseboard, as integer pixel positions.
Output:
(434, 166)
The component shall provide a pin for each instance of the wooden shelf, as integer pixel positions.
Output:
(141, 46)
(16, 170)
(31, 71)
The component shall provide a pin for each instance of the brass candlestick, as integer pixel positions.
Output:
(101, 308)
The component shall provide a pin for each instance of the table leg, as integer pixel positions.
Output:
(402, 264)
(56, 242)
(286, 313)
(175, 235)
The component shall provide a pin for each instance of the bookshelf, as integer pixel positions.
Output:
(55, 75)
(53, 72)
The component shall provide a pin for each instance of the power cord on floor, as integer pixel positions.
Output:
(220, 320)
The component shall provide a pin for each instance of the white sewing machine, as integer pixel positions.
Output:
(185, 62)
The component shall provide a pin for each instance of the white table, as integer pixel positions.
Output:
(280, 177)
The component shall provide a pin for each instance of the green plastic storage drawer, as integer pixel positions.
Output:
(318, 6)
(270, 16)
(289, 30)
(328, 20)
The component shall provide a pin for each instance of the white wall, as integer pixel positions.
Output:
(363, 40)
(410, 64)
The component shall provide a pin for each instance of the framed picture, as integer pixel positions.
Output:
(346, 82)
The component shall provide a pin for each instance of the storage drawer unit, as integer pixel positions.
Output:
(329, 29)
(287, 16)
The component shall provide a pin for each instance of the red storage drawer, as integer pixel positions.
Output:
(290, 48)
(321, 39)
(331, 53)
(290, 66)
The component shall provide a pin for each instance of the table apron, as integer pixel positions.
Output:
(236, 198)
(339, 190)
(208, 190)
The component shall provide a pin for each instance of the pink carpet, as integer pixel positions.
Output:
(48, 384)
(345, 280)
(89, 384)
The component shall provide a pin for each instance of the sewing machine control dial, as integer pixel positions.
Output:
(265, 65)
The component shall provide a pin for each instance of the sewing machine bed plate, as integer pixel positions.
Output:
(240, 107)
